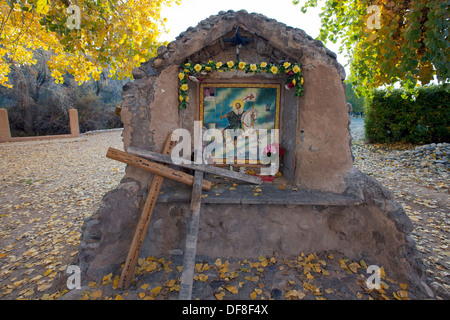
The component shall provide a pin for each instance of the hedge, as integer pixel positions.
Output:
(397, 117)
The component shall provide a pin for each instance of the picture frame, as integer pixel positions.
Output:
(239, 106)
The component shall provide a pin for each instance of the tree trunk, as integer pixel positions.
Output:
(25, 101)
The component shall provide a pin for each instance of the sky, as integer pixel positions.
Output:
(191, 12)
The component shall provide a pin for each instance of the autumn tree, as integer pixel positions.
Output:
(84, 36)
(388, 42)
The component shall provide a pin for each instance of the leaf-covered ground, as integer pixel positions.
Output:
(48, 188)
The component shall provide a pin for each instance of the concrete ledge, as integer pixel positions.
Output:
(5, 135)
(269, 194)
(37, 138)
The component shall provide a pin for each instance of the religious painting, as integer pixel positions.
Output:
(242, 110)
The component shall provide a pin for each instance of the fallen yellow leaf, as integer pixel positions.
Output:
(363, 264)
(231, 289)
(219, 296)
(325, 272)
(96, 294)
(44, 286)
(155, 291)
(107, 279)
(253, 279)
(46, 273)
(354, 267)
(253, 295)
(295, 294)
(171, 283)
(403, 294)
(145, 286)
(116, 282)
(202, 277)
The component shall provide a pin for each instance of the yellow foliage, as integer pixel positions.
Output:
(115, 35)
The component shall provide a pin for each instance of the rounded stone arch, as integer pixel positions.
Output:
(321, 153)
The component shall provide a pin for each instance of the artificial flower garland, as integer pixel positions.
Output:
(191, 71)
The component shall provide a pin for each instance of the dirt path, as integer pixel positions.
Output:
(48, 188)
(424, 194)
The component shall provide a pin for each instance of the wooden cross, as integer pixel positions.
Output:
(161, 172)
(238, 41)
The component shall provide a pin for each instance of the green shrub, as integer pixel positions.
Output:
(424, 118)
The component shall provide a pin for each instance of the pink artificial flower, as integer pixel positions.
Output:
(271, 148)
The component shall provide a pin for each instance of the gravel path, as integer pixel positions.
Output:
(48, 188)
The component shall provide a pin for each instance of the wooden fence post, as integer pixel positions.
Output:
(74, 127)
(5, 133)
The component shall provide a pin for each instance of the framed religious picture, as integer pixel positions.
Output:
(240, 113)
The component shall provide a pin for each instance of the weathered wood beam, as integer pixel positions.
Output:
(155, 168)
(142, 227)
(187, 277)
(197, 167)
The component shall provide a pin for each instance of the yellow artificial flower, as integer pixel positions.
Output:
(302, 81)
(208, 68)
(180, 98)
(181, 75)
(218, 65)
(296, 69)
(186, 70)
(253, 67)
(242, 65)
(230, 64)
(294, 82)
(187, 99)
(184, 87)
(187, 64)
(274, 70)
(286, 65)
(197, 67)
(263, 64)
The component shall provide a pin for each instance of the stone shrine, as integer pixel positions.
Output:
(320, 203)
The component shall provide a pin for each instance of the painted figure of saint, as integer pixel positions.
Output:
(234, 117)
